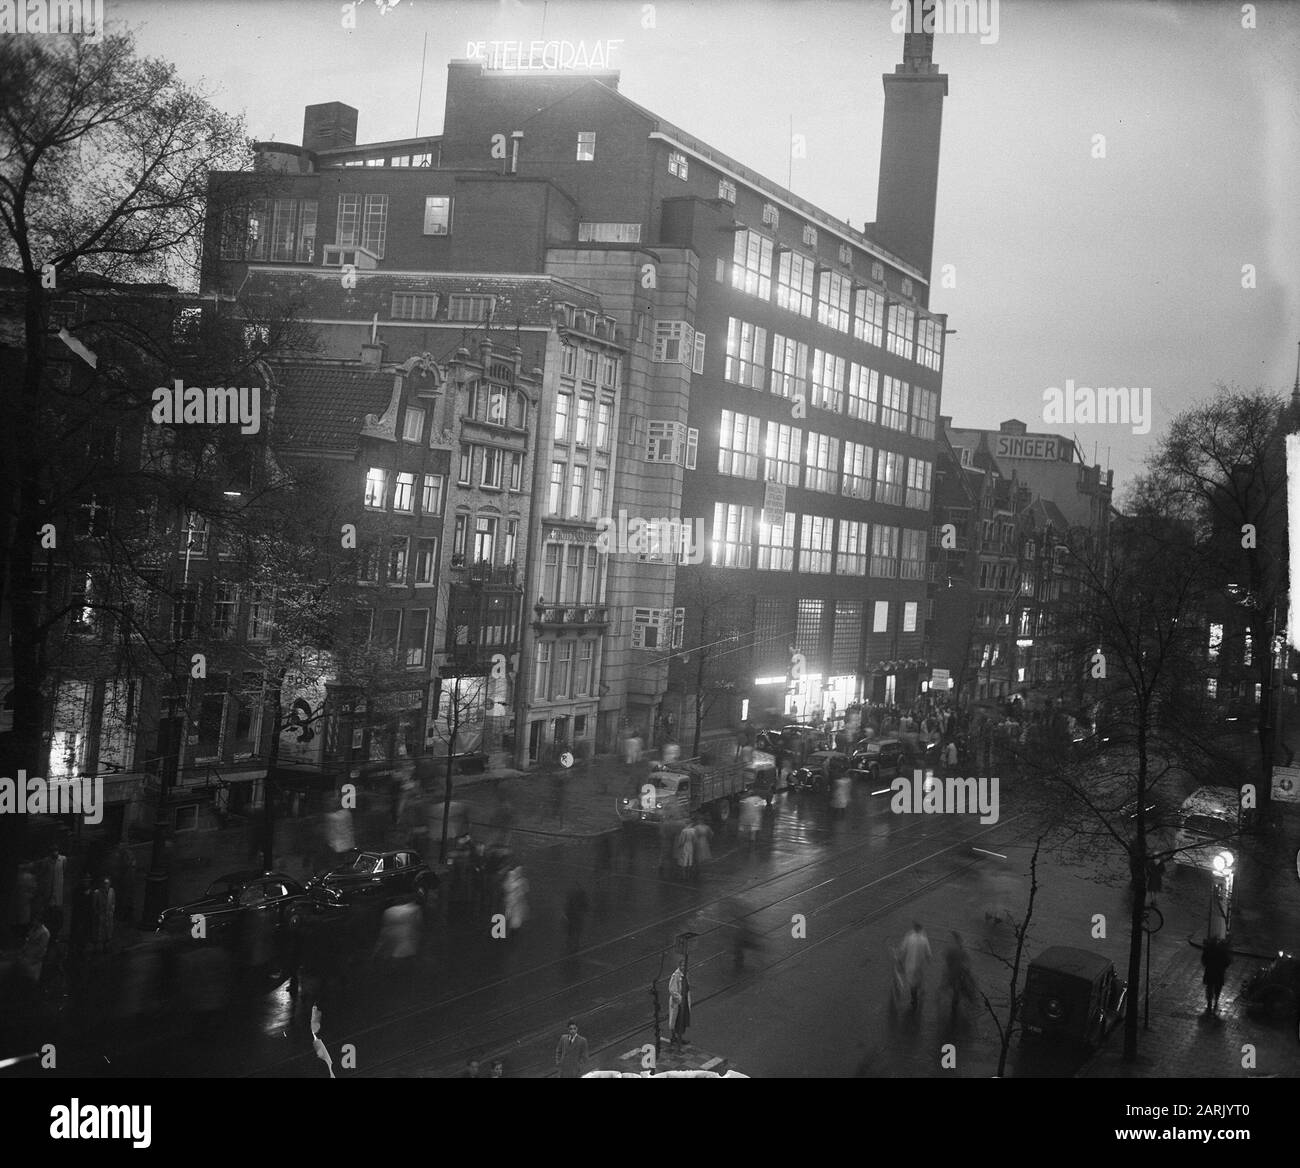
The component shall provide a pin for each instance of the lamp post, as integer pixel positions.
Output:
(158, 878)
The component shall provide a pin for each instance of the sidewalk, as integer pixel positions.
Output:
(1185, 1042)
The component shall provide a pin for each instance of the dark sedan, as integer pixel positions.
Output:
(276, 899)
(375, 878)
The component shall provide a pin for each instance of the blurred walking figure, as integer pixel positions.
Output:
(575, 915)
(751, 815)
(631, 749)
(1215, 957)
(498, 1070)
(23, 903)
(679, 1005)
(898, 978)
(916, 956)
(957, 976)
(669, 831)
(840, 795)
(103, 908)
(399, 934)
(50, 876)
(703, 838)
(516, 898)
(950, 755)
(998, 889)
(81, 915)
(571, 1052)
(746, 939)
(685, 850)
(338, 833)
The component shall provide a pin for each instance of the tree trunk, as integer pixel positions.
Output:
(1138, 887)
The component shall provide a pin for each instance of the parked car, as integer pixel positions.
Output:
(820, 770)
(229, 898)
(1073, 995)
(795, 738)
(1207, 827)
(374, 878)
(1273, 990)
(879, 759)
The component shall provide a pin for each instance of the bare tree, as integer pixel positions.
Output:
(462, 701)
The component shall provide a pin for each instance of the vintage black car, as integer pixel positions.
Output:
(375, 878)
(1273, 990)
(820, 770)
(879, 759)
(277, 898)
(1072, 995)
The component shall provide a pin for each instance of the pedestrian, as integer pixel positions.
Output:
(338, 830)
(23, 904)
(950, 755)
(703, 845)
(679, 1005)
(840, 794)
(751, 812)
(1216, 956)
(685, 850)
(516, 898)
(1155, 877)
(916, 956)
(571, 1052)
(575, 915)
(50, 875)
(103, 909)
(499, 1069)
(669, 830)
(740, 741)
(958, 978)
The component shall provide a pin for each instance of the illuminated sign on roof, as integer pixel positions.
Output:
(543, 54)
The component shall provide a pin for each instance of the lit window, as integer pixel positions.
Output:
(426, 560)
(431, 502)
(599, 482)
(465, 469)
(516, 471)
(577, 489)
(898, 338)
(437, 216)
(417, 635)
(555, 494)
(727, 190)
(884, 552)
(604, 419)
(746, 349)
(864, 393)
(912, 565)
(789, 367)
(733, 535)
(563, 410)
(889, 478)
(677, 164)
(782, 454)
(493, 466)
(398, 549)
(929, 342)
(853, 548)
(412, 424)
(485, 537)
(918, 483)
(822, 462)
(869, 316)
(925, 409)
(856, 483)
(586, 145)
(834, 300)
(609, 232)
(776, 545)
(827, 381)
(738, 442)
(794, 283)
(751, 267)
(376, 488)
(582, 426)
(894, 396)
(816, 542)
(404, 492)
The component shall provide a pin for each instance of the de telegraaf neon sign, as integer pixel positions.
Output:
(543, 54)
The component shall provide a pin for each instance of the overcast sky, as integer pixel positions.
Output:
(1117, 271)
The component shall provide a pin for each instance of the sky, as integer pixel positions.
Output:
(1109, 263)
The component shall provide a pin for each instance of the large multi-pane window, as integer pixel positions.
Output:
(604, 420)
(889, 478)
(404, 492)
(738, 440)
(582, 424)
(485, 538)
(852, 548)
(733, 535)
(929, 342)
(492, 473)
(293, 231)
(577, 489)
(918, 483)
(417, 636)
(599, 486)
(259, 613)
(363, 221)
(225, 608)
(808, 628)
(244, 231)
(376, 488)
(542, 671)
(856, 482)
(864, 393)
(426, 560)
(562, 674)
(898, 336)
(398, 552)
(913, 562)
(516, 471)
(925, 409)
(869, 316)
(555, 492)
(816, 543)
(846, 637)
(827, 381)
(794, 283)
(821, 459)
(776, 544)
(884, 550)
(893, 411)
(751, 266)
(582, 674)
(431, 500)
(563, 411)
(746, 348)
(782, 452)
(834, 298)
(789, 367)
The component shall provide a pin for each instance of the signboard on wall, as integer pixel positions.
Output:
(774, 504)
(940, 679)
(1042, 447)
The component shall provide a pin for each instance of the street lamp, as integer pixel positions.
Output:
(1219, 925)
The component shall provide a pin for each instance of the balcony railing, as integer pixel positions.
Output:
(570, 615)
(482, 573)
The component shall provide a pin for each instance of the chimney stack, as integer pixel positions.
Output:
(329, 125)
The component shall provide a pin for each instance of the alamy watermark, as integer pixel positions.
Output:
(923, 794)
(214, 406)
(1083, 405)
(677, 539)
(37, 796)
(102, 1121)
(54, 17)
(948, 17)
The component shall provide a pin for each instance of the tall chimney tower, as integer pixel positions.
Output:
(909, 147)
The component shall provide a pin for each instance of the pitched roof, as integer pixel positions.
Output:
(322, 407)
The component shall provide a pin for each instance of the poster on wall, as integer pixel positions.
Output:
(302, 711)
